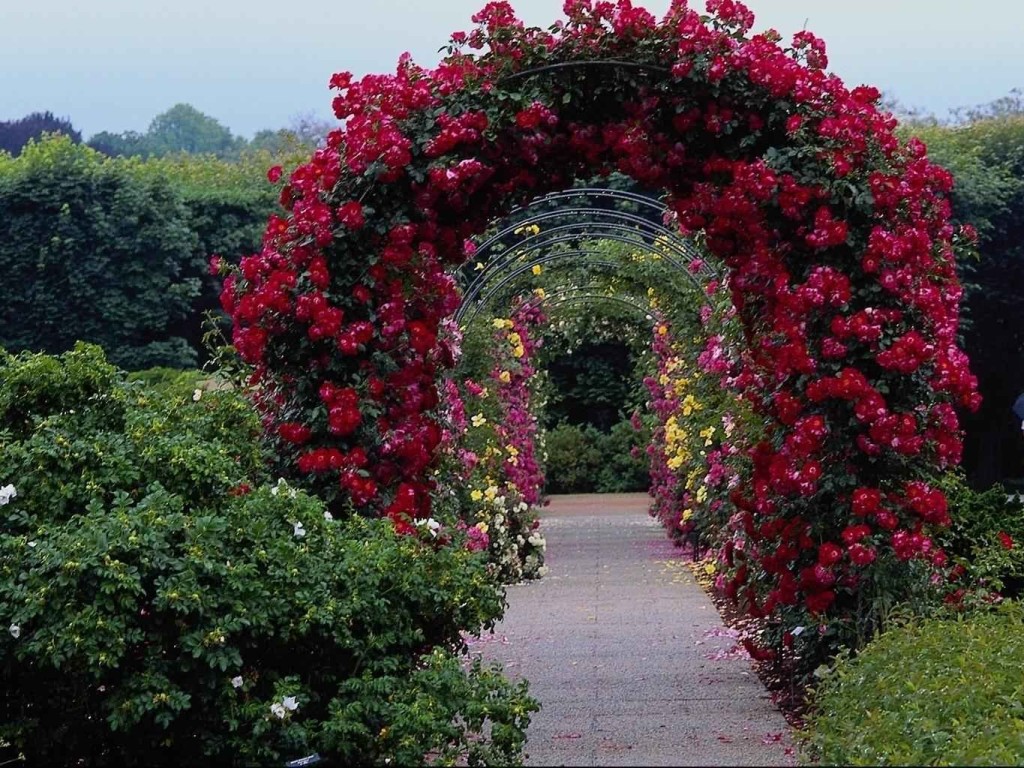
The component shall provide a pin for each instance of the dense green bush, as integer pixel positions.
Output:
(582, 459)
(93, 251)
(986, 538)
(986, 156)
(134, 240)
(935, 692)
(163, 603)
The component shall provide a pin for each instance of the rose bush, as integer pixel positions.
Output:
(835, 236)
(493, 443)
(163, 601)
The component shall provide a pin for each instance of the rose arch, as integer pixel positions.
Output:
(835, 236)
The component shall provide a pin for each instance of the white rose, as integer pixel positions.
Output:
(7, 493)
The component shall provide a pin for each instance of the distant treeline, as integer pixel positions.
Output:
(182, 128)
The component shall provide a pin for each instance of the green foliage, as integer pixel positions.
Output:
(133, 237)
(592, 385)
(94, 252)
(158, 611)
(986, 156)
(170, 381)
(573, 459)
(934, 692)
(582, 459)
(15, 134)
(986, 538)
(227, 204)
(182, 128)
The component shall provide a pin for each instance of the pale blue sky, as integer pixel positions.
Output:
(115, 64)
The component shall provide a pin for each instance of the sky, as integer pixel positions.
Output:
(116, 64)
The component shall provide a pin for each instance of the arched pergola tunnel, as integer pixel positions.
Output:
(564, 252)
(557, 227)
(835, 238)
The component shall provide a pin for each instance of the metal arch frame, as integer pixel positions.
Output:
(472, 310)
(677, 254)
(588, 218)
(586, 63)
(587, 193)
(482, 298)
(474, 296)
(588, 223)
(587, 297)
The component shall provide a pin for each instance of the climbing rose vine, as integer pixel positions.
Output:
(836, 238)
(500, 478)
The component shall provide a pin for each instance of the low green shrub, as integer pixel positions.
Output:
(163, 602)
(171, 380)
(986, 538)
(625, 466)
(582, 459)
(933, 692)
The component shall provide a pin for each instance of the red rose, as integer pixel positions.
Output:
(351, 215)
(1006, 540)
(829, 553)
(274, 174)
(820, 601)
(861, 555)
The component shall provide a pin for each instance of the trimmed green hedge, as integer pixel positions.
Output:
(115, 251)
(935, 692)
(582, 459)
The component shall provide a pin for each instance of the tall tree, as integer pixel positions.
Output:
(183, 128)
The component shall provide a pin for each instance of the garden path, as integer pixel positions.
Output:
(627, 654)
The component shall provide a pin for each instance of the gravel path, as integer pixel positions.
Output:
(626, 653)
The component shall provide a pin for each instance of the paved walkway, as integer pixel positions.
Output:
(626, 653)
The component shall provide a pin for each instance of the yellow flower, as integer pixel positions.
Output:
(662, 330)
(539, 293)
(702, 494)
(691, 479)
(499, 323)
(690, 405)
(687, 514)
(476, 494)
(519, 351)
(709, 568)
(479, 266)
(537, 269)
(514, 339)
(512, 450)
(479, 420)
(505, 376)
(482, 527)
(491, 493)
